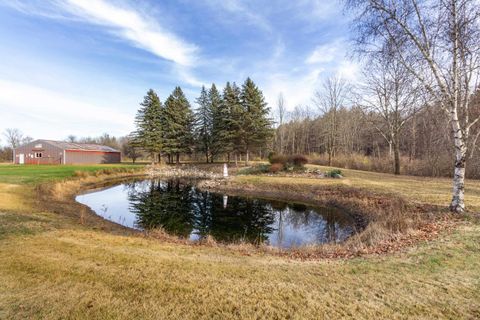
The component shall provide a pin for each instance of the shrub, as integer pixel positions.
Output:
(335, 173)
(289, 161)
(299, 160)
(262, 168)
(278, 158)
(270, 155)
(276, 167)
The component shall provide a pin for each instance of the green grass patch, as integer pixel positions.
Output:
(34, 174)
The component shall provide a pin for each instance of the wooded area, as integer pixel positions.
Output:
(433, 48)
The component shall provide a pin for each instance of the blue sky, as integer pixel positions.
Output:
(82, 66)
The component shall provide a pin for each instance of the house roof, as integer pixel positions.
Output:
(79, 146)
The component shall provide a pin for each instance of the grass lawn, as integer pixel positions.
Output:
(33, 174)
(51, 267)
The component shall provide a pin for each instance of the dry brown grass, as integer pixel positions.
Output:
(436, 191)
(12, 197)
(82, 274)
(385, 222)
(438, 165)
(52, 267)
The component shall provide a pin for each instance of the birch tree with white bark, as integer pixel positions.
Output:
(438, 41)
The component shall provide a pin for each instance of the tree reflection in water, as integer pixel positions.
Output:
(183, 210)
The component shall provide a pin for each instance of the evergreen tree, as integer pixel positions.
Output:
(256, 124)
(214, 104)
(177, 123)
(228, 120)
(148, 134)
(203, 124)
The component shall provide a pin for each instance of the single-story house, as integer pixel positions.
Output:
(61, 152)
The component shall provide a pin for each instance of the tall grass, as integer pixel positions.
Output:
(440, 165)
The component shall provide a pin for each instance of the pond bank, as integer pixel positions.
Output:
(388, 222)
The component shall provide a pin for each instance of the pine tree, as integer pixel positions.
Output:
(214, 104)
(256, 124)
(228, 122)
(148, 134)
(177, 123)
(203, 124)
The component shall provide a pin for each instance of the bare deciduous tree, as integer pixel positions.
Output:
(281, 112)
(329, 100)
(391, 92)
(438, 41)
(14, 137)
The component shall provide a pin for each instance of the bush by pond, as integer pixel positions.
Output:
(287, 162)
(335, 173)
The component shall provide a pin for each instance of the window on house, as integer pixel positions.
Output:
(38, 154)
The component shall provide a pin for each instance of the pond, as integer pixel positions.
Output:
(183, 210)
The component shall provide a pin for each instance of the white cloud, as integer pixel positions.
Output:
(322, 9)
(186, 76)
(316, 11)
(140, 29)
(297, 89)
(127, 23)
(328, 52)
(238, 8)
(349, 70)
(38, 111)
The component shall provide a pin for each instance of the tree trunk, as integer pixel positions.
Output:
(414, 138)
(159, 158)
(247, 157)
(458, 202)
(236, 160)
(178, 158)
(396, 155)
(153, 158)
(458, 199)
(206, 155)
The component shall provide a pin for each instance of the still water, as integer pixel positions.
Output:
(183, 210)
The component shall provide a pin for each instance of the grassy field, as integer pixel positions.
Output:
(51, 267)
(37, 174)
(422, 189)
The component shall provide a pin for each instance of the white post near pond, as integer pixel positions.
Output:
(225, 170)
(225, 201)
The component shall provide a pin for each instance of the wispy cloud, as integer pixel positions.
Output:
(125, 22)
(327, 52)
(317, 11)
(239, 8)
(136, 27)
(297, 88)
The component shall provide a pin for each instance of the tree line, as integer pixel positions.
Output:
(434, 44)
(233, 122)
(361, 139)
